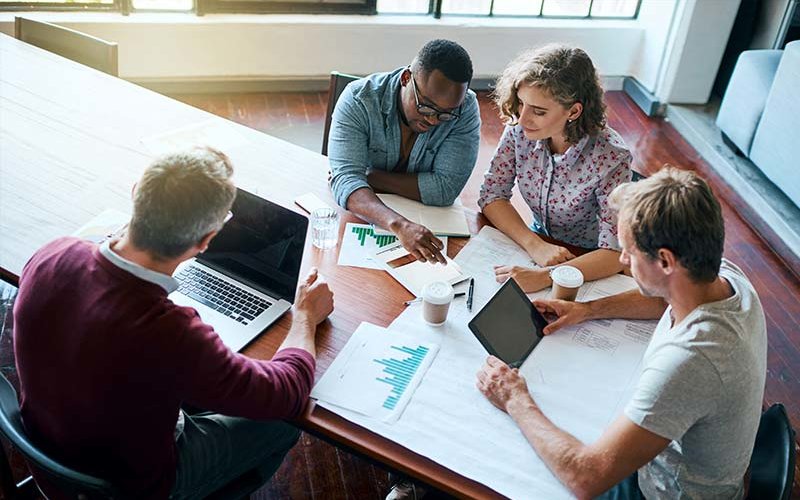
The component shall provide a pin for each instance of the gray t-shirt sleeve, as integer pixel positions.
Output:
(677, 388)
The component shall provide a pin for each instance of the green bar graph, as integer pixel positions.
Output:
(366, 232)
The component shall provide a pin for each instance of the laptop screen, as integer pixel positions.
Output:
(262, 246)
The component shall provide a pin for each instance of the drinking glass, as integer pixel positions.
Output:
(324, 228)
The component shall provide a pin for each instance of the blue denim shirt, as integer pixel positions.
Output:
(365, 133)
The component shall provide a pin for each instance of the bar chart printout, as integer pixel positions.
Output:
(400, 372)
(376, 373)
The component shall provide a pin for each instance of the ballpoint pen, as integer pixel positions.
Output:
(471, 293)
(419, 299)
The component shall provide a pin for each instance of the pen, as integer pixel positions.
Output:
(418, 299)
(471, 293)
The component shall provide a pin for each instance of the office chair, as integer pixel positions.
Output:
(80, 47)
(636, 176)
(338, 82)
(773, 460)
(72, 483)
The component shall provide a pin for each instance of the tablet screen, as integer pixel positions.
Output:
(509, 326)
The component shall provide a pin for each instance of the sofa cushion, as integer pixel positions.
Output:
(775, 147)
(746, 96)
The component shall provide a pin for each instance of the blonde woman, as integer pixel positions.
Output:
(558, 150)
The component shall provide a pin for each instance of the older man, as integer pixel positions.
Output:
(690, 426)
(413, 132)
(106, 360)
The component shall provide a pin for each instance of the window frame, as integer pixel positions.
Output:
(22, 6)
(369, 7)
(435, 9)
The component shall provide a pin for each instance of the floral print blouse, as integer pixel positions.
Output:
(568, 194)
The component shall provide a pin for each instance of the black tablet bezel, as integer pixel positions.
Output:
(535, 314)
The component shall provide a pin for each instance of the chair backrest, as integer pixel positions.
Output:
(79, 47)
(338, 82)
(69, 481)
(773, 460)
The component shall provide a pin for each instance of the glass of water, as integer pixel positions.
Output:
(324, 228)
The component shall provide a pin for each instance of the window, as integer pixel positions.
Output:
(539, 8)
(163, 5)
(60, 4)
(288, 6)
(612, 9)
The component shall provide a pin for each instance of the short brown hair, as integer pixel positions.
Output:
(180, 198)
(676, 210)
(567, 74)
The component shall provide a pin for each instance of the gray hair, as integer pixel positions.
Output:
(180, 198)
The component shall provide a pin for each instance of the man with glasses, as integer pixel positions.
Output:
(413, 132)
(105, 359)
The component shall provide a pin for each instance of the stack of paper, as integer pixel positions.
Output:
(413, 274)
(441, 221)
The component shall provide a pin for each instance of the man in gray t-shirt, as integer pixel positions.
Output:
(690, 425)
(701, 386)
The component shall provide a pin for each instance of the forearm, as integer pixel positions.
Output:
(387, 182)
(597, 264)
(364, 203)
(301, 334)
(503, 216)
(627, 305)
(569, 459)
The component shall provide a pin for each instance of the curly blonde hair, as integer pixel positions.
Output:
(567, 74)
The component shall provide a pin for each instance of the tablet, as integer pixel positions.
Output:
(509, 326)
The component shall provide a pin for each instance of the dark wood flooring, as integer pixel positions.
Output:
(316, 470)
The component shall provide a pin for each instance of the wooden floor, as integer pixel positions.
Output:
(316, 470)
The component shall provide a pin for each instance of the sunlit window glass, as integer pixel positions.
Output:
(403, 6)
(567, 8)
(474, 7)
(614, 8)
(163, 4)
(517, 7)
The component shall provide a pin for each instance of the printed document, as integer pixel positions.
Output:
(359, 244)
(376, 372)
(441, 221)
(414, 274)
(581, 377)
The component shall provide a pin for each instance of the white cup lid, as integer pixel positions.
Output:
(567, 276)
(438, 292)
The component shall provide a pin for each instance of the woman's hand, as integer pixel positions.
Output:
(547, 254)
(530, 280)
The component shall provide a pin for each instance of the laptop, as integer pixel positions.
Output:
(247, 277)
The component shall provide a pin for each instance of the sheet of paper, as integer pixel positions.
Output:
(376, 373)
(106, 225)
(413, 274)
(442, 221)
(580, 377)
(213, 132)
(359, 244)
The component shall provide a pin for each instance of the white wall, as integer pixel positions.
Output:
(656, 21)
(699, 35)
(770, 16)
(179, 47)
(673, 48)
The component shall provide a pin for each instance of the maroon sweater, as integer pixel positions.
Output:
(105, 360)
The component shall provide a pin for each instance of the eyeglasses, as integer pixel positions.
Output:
(426, 110)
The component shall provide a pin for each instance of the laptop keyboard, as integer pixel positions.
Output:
(220, 295)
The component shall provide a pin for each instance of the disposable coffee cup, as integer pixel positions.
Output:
(567, 280)
(436, 299)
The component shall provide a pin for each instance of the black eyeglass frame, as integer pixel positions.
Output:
(425, 109)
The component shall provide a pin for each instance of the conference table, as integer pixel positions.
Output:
(73, 141)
